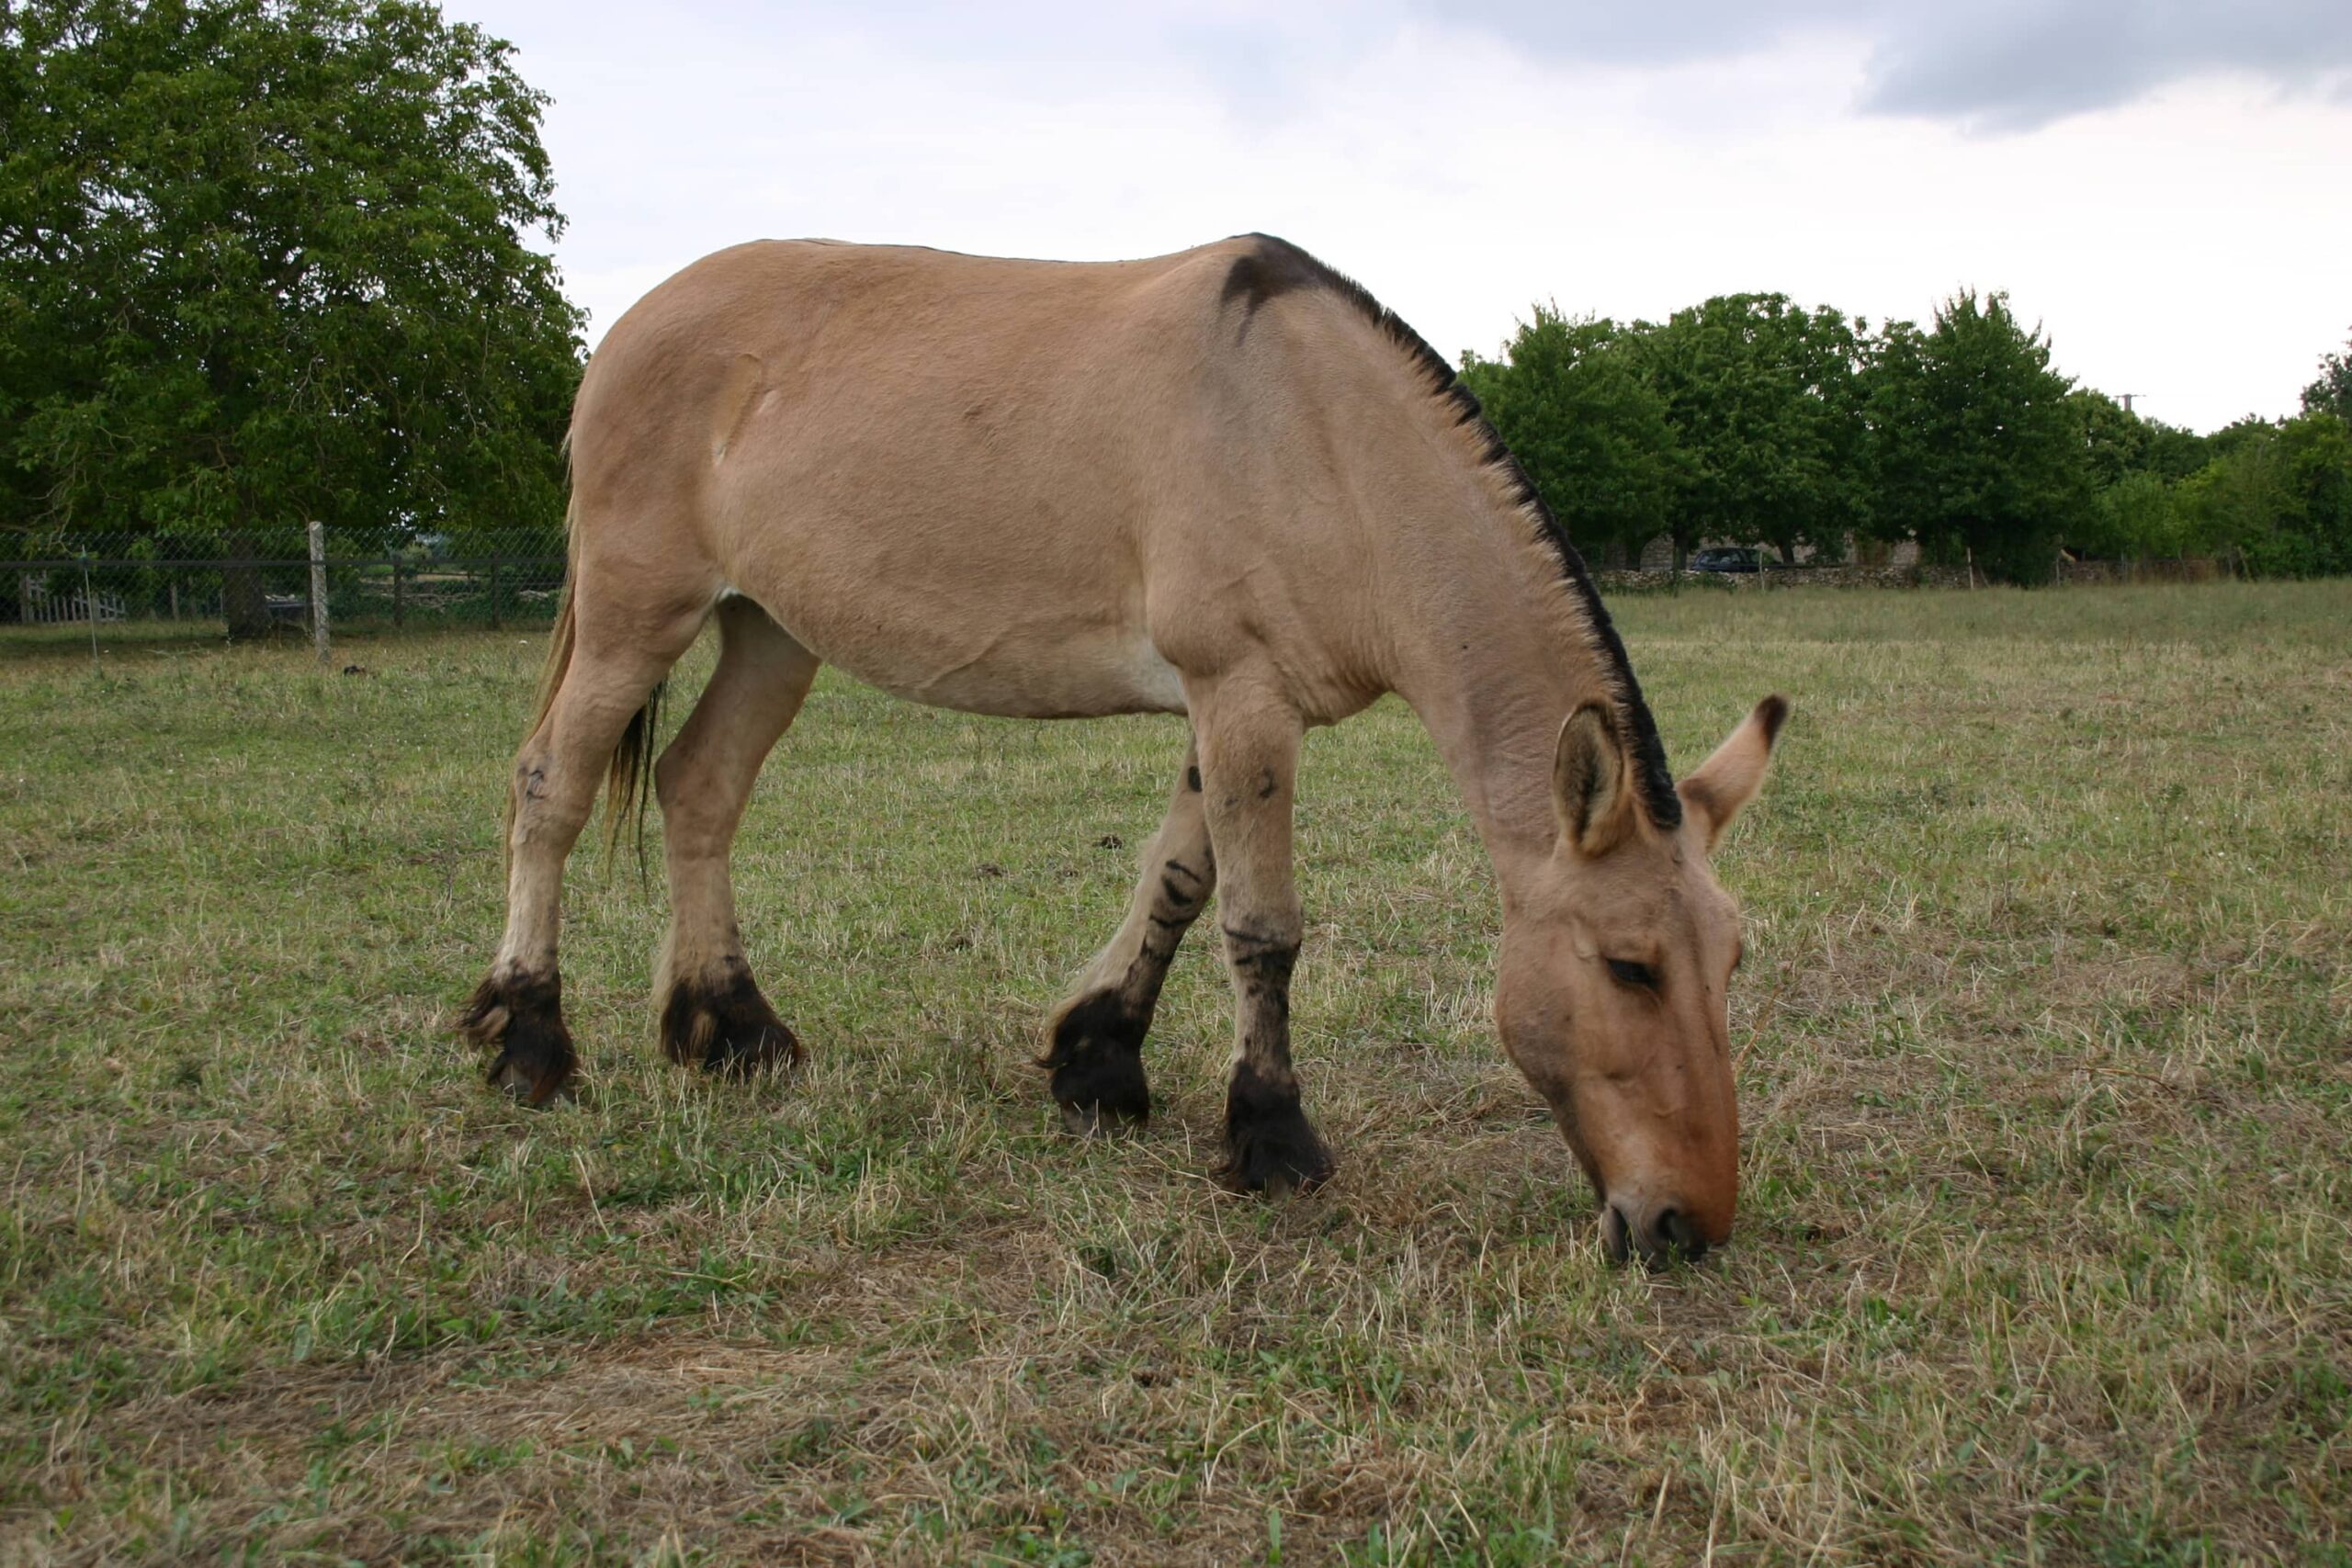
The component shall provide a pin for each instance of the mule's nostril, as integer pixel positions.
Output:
(1616, 1235)
(1677, 1235)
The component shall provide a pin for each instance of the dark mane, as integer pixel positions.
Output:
(1274, 267)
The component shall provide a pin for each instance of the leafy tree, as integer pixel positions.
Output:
(262, 261)
(2332, 393)
(2134, 464)
(2138, 516)
(2115, 441)
(1570, 401)
(2279, 500)
(2234, 505)
(2118, 441)
(2244, 432)
(2319, 467)
(1975, 447)
(2170, 450)
(1763, 398)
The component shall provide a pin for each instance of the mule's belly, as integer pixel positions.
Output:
(1014, 678)
(1017, 666)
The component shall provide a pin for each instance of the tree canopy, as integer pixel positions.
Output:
(2332, 393)
(268, 261)
(1577, 408)
(1973, 442)
(1752, 419)
(1762, 398)
(264, 261)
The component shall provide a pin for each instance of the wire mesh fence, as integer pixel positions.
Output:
(258, 583)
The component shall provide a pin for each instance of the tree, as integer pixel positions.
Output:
(1763, 400)
(2278, 501)
(2115, 441)
(262, 261)
(2134, 464)
(2318, 449)
(2332, 393)
(1569, 400)
(1974, 446)
(2233, 506)
(2137, 516)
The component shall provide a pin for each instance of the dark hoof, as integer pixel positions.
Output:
(1269, 1145)
(1094, 1051)
(529, 1086)
(523, 1016)
(725, 1026)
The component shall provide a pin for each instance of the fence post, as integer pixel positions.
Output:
(90, 610)
(399, 609)
(318, 587)
(493, 594)
(174, 584)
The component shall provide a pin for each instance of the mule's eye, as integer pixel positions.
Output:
(1628, 973)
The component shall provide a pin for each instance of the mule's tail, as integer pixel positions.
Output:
(629, 787)
(628, 783)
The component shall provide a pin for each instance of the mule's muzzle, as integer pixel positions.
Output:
(1661, 1237)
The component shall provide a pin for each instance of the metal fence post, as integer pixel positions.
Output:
(318, 587)
(493, 594)
(399, 609)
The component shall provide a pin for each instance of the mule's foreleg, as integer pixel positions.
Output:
(711, 1013)
(1249, 746)
(519, 1008)
(1094, 1040)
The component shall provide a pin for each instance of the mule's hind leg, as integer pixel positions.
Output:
(1248, 740)
(712, 1014)
(602, 685)
(1094, 1042)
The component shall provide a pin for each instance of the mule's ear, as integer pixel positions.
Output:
(1592, 782)
(1712, 796)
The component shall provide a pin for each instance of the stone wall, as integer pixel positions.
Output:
(2192, 570)
(1907, 575)
(1788, 577)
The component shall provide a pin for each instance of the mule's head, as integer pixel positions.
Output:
(1611, 996)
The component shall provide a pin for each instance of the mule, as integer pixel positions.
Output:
(1224, 483)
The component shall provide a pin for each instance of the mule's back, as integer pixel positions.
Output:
(960, 478)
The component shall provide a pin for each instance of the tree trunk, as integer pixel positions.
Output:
(243, 603)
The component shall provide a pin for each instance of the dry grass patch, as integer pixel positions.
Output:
(2045, 1050)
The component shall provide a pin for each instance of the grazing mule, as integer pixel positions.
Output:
(1225, 484)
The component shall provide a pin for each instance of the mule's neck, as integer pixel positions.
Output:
(1492, 652)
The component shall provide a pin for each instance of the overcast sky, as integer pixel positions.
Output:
(2166, 185)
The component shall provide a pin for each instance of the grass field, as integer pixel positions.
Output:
(2045, 1053)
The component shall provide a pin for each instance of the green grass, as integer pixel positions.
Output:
(2045, 1047)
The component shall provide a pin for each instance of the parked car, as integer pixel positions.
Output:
(1727, 557)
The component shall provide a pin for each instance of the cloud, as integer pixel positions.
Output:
(2008, 65)
(2021, 66)
(1628, 165)
(2002, 65)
